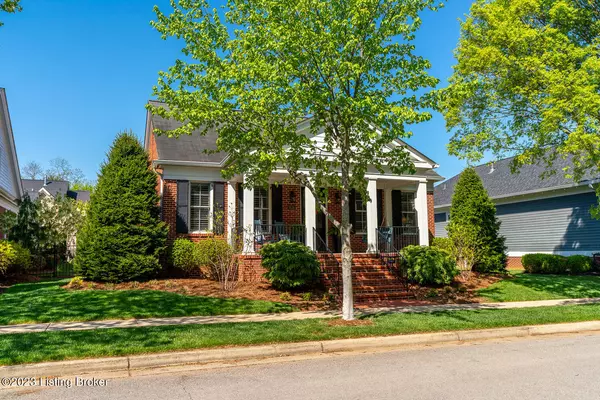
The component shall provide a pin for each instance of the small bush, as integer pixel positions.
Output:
(306, 296)
(185, 255)
(290, 264)
(578, 264)
(537, 263)
(14, 258)
(76, 282)
(285, 296)
(429, 265)
(219, 262)
(443, 243)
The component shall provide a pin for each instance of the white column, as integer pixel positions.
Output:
(389, 207)
(421, 207)
(310, 214)
(372, 216)
(248, 220)
(231, 207)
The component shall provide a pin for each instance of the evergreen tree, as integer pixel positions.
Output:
(123, 236)
(27, 230)
(473, 210)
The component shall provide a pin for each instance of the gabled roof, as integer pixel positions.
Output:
(187, 148)
(190, 148)
(501, 183)
(33, 187)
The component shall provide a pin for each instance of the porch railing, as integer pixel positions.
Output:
(391, 239)
(264, 234)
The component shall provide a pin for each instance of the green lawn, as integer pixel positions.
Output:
(47, 302)
(524, 287)
(48, 346)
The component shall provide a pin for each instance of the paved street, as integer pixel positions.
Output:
(566, 367)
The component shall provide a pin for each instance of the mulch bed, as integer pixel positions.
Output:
(206, 287)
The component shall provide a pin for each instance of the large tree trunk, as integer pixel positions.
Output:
(348, 295)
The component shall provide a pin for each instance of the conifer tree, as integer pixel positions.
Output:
(123, 236)
(473, 210)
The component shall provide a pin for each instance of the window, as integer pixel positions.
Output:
(200, 205)
(409, 214)
(261, 205)
(440, 217)
(360, 212)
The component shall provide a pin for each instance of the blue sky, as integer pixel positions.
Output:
(77, 72)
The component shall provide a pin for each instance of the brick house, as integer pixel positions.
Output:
(192, 190)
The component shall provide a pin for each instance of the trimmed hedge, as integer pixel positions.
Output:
(537, 263)
(429, 265)
(290, 264)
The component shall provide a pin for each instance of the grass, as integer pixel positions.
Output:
(46, 301)
(52, 346)
(525, 287)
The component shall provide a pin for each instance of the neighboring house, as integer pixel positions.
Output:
(10, 177)
(192, 190)
(550, 215)
(40, 187)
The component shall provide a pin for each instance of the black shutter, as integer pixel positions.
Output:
(183, 189)
(240, 203)
(380, 207)
(219, 208)
(352, 197)
(396, 208)
(276, 203)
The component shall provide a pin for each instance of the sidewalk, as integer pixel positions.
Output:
(217, 319)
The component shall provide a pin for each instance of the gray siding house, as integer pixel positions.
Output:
(550, 215)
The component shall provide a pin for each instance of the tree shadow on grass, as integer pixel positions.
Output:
(48, 302)
(559, 286)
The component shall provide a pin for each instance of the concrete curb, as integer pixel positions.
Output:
(127, 365)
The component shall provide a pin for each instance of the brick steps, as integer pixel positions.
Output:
(371, 279)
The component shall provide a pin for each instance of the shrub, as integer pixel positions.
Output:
(290, 264)
(7, 256)
(185, 255)
(14, 258)
(75, 283)
(443, 243)
(537, 263)
(219, 262)
(429, 265)
(123, 236)
(578, 264)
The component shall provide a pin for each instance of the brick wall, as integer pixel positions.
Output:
(514, 263)
(292, 212)
(430, 216)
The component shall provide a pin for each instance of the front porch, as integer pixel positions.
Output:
(397, 216)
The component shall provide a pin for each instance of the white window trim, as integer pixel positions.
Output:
(356, 211)
(414, 212)
(211, 199)
(269, 205)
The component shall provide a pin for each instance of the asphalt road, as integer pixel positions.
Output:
(566, 367)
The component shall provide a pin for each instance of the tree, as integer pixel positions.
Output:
(60, 218)
(10, 6)
(32, 170)
(526, 83)
(61, 170)
(123, 236)
(473, 223)
(344, 67)
(27, 230)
